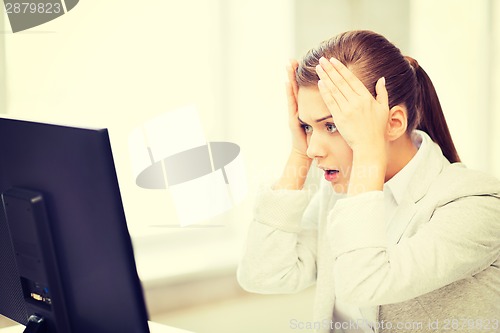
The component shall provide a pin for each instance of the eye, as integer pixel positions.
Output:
(330, 127)
(306, 128)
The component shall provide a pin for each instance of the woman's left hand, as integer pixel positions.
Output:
(360, 118)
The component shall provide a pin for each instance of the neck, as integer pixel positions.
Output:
(400, 152)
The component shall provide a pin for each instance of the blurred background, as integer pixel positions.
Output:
(118, 63)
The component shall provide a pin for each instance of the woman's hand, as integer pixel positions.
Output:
(360, 118)
(299, 140)
(298, 164)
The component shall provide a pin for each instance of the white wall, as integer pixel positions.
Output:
(454, 40)
(118, 63)
(322, 19)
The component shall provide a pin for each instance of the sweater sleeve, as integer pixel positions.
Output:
(280, 255)
(461, 239)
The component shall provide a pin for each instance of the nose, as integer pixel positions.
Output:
(315, 147)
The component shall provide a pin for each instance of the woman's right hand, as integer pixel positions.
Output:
(299, 140)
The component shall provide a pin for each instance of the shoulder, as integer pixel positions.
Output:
(439, 181)
(457, 181)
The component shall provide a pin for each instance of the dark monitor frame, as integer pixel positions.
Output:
(65, 252)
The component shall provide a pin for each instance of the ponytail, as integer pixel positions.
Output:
(430, 114)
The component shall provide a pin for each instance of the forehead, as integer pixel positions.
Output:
(311, 105)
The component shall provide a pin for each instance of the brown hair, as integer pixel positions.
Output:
(371, 56)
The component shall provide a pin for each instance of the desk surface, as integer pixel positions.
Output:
(153, 327)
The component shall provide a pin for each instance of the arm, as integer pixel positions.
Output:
(280, 257)
(461, 239)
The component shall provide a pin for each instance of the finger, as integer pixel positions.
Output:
(291, 71)
(292, 101)
(295, 86)
(381, 90)
(330, 102)
(292, 81)
(338, 80)
(294, 63)
(352, 80)
(334, 92)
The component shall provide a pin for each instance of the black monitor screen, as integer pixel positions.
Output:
(65, 252)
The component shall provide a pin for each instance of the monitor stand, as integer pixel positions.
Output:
(36, 324)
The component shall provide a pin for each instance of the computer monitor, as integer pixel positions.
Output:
(66, 257)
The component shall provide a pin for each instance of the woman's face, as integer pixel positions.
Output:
(325, 144)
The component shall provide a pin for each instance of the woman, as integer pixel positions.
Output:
(402, 237)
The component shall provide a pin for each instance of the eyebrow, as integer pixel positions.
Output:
(317, 120)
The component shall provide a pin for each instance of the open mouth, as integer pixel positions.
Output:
(331, 175)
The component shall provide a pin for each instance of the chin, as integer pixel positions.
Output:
(340, 188)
